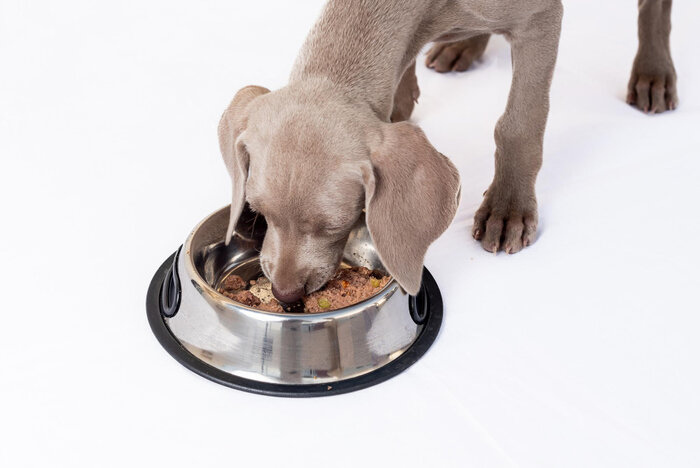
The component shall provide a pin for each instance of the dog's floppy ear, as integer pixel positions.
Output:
(411, 196)
(231, 125)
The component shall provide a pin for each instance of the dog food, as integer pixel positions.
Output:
(347, 287)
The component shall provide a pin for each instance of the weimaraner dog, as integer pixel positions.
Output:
(311, 156)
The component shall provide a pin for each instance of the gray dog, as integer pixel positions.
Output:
(312, 155)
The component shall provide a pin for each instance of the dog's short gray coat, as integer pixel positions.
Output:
(334, 141)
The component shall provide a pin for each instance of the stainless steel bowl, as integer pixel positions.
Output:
(281, 353)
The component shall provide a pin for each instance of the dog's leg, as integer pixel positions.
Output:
(456, 56)
(406, 95)
(652, 85)
(507, 218)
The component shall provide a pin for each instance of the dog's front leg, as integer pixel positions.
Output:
(507, 218)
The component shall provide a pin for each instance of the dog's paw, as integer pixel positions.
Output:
(652, 85)
(506, 220)
(456, 56)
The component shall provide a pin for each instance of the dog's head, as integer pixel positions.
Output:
(310, 168)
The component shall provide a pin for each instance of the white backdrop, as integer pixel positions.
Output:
(580, 351)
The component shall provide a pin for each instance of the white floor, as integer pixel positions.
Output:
(580, 351)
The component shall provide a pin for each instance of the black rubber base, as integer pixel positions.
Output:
(429, 295)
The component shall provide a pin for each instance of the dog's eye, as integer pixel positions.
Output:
(334, 230)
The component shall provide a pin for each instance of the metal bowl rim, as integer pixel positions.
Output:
(174, 347)
(213, 293)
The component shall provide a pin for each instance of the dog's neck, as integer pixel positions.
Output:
(362, 48)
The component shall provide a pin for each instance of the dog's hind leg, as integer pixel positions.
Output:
(456, 56)
(652, 85)
(406, 95)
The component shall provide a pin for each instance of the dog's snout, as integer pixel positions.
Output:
(288, 297)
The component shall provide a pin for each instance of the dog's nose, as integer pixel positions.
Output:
(288, 297)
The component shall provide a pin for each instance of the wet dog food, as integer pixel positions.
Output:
(347, 287)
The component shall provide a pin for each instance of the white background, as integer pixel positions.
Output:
(580, 351)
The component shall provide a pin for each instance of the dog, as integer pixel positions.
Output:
(311, 156)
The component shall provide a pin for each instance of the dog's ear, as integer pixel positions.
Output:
(231, 125)
(411, 196)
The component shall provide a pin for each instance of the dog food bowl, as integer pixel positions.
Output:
(283, 354)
